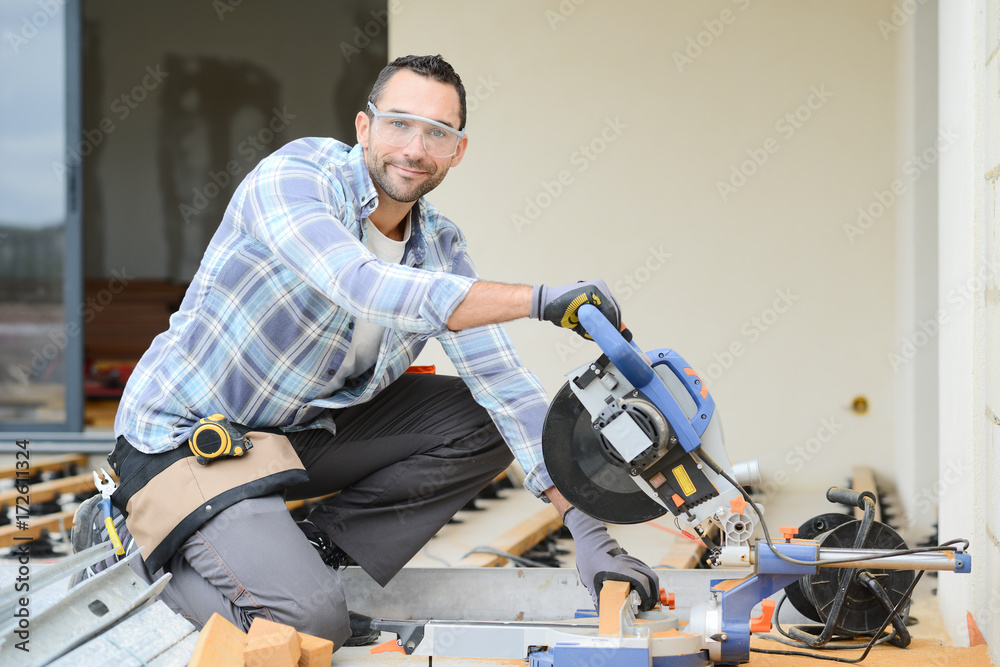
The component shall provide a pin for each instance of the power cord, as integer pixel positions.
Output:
(868, 648)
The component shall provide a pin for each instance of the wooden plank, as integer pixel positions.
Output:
(863, 479)
(519, 539)
(36, 525)
(47, 464)
(685, 554)
(46, 491)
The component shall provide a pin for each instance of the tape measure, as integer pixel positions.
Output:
(215, 438)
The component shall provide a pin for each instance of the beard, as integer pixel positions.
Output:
(409, 190)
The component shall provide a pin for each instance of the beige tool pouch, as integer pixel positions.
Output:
(165, 501)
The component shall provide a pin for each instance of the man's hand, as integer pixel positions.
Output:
(559, 304)
(599, 558)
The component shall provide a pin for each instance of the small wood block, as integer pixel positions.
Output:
(613, 596)
(316, 652)
(271, 644)
(220, 644)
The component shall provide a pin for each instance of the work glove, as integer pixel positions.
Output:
(559, 304)
(599, 558)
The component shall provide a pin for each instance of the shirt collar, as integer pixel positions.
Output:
(367, 199)
(367, 195)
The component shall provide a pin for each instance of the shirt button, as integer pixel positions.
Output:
(331, 372)
(350, 325)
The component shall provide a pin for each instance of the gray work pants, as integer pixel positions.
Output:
(404, 463)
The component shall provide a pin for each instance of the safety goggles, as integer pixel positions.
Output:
(397, 129)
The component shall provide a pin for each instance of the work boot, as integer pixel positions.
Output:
(89, 529)
(331, 554)
(362, 632)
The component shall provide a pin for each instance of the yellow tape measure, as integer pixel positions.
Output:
(216, 438)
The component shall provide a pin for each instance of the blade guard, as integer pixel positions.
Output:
(633, 364)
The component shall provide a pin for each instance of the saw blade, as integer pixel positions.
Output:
(580, 470)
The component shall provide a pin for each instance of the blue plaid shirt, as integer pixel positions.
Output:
(270, 313)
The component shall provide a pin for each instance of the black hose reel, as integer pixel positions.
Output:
(866, 597)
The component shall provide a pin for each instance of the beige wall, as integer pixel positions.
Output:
(549, 78)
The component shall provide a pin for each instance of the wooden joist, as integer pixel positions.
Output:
(685, 554)
(48, 464)
(36, 526)
(47, 491)
(519, 539)
(295, 504)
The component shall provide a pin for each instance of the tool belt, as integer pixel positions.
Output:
(166, 497)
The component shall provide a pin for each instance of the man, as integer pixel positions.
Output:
(327, 275)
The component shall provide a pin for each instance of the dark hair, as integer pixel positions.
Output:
(433, 67)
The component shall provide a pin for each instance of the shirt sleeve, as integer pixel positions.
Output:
(295, 208)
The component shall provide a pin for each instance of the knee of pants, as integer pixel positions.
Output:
(321, 612)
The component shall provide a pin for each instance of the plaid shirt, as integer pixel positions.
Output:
(270, 313)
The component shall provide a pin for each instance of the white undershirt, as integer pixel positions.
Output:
(363, 352)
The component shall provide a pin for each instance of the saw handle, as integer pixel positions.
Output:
(625, 355)
(629, 359)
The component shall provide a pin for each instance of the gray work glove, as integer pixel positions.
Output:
(599, 558)
(559, 304)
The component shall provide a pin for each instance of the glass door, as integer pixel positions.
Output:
(41, 297)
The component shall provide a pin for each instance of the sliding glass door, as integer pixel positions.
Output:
(41, 299)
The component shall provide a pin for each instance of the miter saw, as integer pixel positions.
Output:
(635, 435)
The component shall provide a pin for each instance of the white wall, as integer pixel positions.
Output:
(550, 77)
(969, 359)
(918, 309)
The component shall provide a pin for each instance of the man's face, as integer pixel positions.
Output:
(406, 173)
